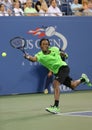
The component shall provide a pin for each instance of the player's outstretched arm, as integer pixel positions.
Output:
(30, 58)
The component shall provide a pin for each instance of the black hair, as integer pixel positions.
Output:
(1, 4)
(43, 40)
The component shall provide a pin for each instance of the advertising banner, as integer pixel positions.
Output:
(72, 34)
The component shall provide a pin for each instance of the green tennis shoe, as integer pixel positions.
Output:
(87, 81)
(85, 77)
(89, 84)
(53, 109)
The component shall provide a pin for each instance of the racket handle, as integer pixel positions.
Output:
(26, 56)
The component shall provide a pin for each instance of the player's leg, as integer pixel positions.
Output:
(46, 85)
(48, 81)
(55, 108)
(74, 83)
(59, 79)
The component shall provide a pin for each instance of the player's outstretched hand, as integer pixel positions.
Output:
(26, 56)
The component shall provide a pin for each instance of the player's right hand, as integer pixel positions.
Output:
(26, 56)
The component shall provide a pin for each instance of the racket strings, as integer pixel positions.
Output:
(18, 43)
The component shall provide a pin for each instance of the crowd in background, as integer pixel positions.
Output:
(45, 7)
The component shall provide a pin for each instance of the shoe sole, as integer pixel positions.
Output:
(52, 112)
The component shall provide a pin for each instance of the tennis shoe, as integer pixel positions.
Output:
(53, 109)
(85, 77)
(89, 84)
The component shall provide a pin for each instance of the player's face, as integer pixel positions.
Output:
(44, 45)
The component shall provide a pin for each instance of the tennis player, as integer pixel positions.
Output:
(50, 57)
(49, 77)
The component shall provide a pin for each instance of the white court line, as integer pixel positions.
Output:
(74, 114)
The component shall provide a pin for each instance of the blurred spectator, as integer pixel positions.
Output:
(29, 10)
(24, 6)
(22, 1)
(17, 10)
(88, 8)
(43, 10)
(80, 1)
(3, 12)
(53, 9)
(39, 4)
(20, 5)
(59, 2)
(48, 3)
(7, 4)
(76, 7)
(66, 8)
(85, 4)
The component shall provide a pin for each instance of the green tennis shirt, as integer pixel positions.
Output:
(52, 61)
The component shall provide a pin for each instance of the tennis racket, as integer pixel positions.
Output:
(18, 43)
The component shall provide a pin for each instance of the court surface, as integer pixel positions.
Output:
(27, 112)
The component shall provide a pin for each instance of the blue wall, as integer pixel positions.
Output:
(17, 75)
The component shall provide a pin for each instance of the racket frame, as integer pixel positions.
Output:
(22, 46)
